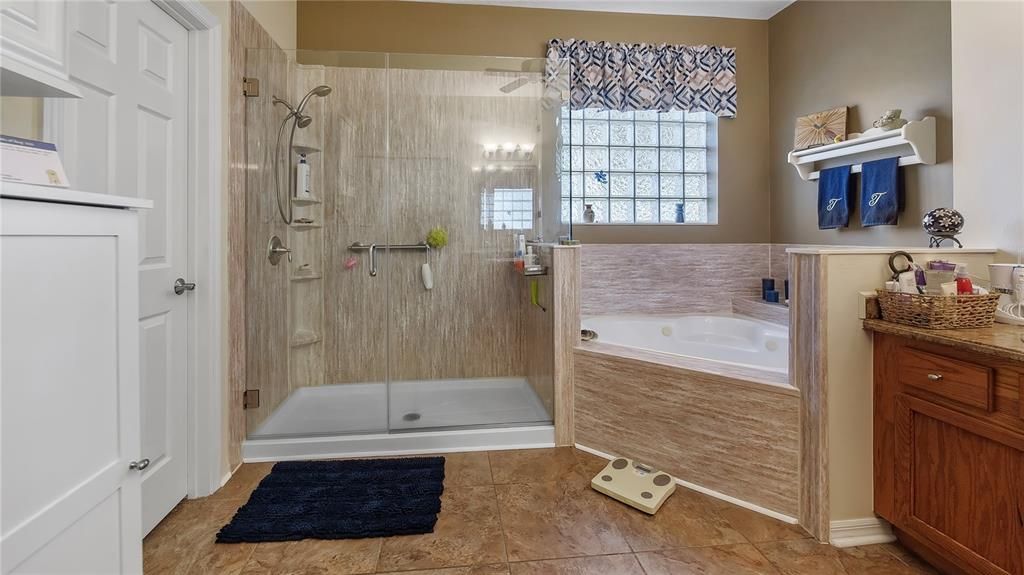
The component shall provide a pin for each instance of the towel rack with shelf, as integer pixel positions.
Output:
(917, 137)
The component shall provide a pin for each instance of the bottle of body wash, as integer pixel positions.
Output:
(302, 179)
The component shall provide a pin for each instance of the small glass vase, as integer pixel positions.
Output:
(588, 213)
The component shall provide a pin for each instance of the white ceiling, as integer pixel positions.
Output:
(749, 9)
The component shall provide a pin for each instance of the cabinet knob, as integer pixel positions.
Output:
(935, 376)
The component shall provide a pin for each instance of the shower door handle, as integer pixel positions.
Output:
(373, 260)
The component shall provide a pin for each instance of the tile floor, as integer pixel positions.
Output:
(526, 512)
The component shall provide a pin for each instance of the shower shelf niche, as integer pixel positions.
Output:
(304, 337)
(305, 227)
(305, 150)
(305, 201)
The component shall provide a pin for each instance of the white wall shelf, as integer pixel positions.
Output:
(914, 143)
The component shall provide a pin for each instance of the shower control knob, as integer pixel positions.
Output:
(138, 465)
(181, 286)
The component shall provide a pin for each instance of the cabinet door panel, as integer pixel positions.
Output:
(959, 485)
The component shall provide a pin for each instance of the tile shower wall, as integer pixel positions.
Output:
(670, 278)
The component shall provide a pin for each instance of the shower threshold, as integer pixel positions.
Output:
(425, 416)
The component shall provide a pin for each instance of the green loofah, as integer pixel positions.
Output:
(437, 238)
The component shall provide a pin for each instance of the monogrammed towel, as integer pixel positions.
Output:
(834, 198)
(881, 193)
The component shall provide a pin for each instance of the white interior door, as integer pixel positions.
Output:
(128, 136)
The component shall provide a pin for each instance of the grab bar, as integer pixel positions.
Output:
(372, 248)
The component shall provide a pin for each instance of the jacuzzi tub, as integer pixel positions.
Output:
(727, 339)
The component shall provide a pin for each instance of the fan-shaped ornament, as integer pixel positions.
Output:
(820, 128)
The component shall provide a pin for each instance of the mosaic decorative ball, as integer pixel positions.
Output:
(943, 221)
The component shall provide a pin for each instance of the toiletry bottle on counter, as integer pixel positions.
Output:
(302, 178)
(963, 281)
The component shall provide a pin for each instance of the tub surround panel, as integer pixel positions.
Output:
(757, 379)
(701, 427)
(566, 299)
(762, 310)
(808, 373)
(670, 278)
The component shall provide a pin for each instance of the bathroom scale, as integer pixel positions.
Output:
(635, 484)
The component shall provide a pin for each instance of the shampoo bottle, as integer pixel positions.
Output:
(302, 178)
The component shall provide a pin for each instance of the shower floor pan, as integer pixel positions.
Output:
(425, 416)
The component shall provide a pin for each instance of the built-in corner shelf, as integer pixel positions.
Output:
(304, 337)
(305, 227)
(305, 150)
(914, 143)
(305, 201)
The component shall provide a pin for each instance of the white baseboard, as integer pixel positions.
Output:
(710, 492)
(857, 532)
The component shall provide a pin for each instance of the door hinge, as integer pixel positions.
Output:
(250, 87)
(251, 399)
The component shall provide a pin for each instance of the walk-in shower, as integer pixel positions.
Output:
(342, 360)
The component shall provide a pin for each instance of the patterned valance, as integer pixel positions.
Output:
(617, 76)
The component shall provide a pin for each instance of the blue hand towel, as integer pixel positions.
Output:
(881, 193)
(834, 198)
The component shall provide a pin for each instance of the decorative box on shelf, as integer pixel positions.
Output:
(914, 143)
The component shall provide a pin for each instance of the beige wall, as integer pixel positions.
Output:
(870, 56)
(499, 31)
(988, 181)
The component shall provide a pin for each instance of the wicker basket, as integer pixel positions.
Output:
(938, 311)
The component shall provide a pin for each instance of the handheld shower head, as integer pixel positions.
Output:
(320, 91)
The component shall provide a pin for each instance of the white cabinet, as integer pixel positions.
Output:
(33, 49)
(69, 383)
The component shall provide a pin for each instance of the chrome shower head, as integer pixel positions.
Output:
(303, 120)
(320, 91)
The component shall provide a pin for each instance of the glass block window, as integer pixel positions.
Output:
(637, 167)
(507, 209)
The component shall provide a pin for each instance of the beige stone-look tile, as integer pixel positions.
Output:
(467, 468)
(803, 557)
(534, 465)
(557, 519)
(879, 560)
(184, 542)
(496, 569)
(756, 527)
(598, 565)
(242, 483)
(468, 532)
(687, 519)
(909, 558)
(314, 557)
(743, 559)
(589, 464)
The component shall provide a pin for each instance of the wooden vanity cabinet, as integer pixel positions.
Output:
(949, 453)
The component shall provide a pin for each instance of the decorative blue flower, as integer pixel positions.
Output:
(601, 177)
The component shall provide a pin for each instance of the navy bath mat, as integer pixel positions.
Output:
(341, 500)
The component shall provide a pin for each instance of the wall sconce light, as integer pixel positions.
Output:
(476, 168)
(491, 167)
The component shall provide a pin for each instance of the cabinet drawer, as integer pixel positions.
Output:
(960, 381)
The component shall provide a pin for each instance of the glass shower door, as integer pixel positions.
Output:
(467, 347)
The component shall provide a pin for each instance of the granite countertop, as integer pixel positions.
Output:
(1002, 340)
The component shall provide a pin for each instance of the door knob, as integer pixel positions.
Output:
(138, 465)
(181, 286)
